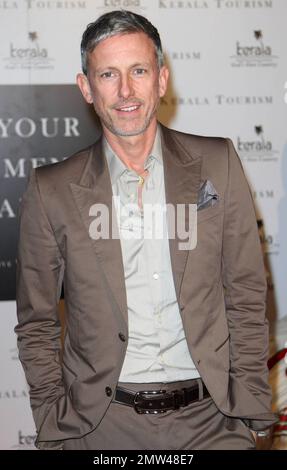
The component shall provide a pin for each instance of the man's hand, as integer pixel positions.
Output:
(254, 435)
(263, 439)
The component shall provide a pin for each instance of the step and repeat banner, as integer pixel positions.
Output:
(228, 62)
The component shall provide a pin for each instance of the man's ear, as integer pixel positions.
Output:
(163, 80)
(84, 86)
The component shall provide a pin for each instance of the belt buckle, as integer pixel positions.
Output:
(137, 403)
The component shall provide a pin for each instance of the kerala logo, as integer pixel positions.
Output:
(125, 4)
(32, 57)
(257, 149)
(258, 54)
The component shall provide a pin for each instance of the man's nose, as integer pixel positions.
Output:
(126, 87)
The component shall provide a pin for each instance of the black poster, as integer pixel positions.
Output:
(39, 125)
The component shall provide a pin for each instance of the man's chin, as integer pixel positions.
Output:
(128, 132)
(122, 133)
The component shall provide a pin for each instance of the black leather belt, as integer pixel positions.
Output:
(160, 401)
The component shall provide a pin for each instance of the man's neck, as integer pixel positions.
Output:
(133, 150)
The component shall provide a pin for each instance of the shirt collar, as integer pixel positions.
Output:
(117, 168)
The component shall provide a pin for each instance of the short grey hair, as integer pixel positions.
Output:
(118, 22)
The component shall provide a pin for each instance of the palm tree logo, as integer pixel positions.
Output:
(259, 132)
(33, 36)
(259, 35)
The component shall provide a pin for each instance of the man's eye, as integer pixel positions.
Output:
(139, 71)
(107, 75)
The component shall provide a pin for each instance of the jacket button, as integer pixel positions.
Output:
(122, 337)
(109, 391)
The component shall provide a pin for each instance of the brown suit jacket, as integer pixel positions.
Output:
(220, 287)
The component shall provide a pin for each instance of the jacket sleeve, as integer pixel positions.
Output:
(245, 291)
(39, 280)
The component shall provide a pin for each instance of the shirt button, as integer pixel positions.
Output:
(109, 391)
(122, 337)
(155, 275)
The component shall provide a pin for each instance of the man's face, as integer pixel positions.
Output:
(124, 83)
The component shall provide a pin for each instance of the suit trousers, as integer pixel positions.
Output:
(198, 426)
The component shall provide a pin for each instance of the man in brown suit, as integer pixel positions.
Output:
(165, 345)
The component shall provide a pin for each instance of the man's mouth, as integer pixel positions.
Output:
(128, 109)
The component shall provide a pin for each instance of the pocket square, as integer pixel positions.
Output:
(207, 195)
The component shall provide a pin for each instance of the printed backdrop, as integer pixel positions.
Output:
(228, 63)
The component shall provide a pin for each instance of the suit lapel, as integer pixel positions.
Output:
(182, 172)
(95, 188)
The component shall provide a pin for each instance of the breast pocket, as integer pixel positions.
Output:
(209, 212)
